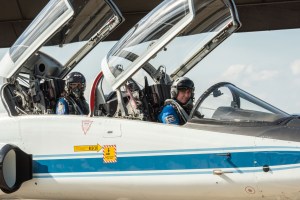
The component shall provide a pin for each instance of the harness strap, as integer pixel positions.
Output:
(178, 108)
(74, 105)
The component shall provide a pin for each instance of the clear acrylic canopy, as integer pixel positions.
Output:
(176, 35)
(62, 22)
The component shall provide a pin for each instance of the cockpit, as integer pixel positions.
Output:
(164, 45)
(137, 73)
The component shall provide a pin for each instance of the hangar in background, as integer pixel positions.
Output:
(255, 15)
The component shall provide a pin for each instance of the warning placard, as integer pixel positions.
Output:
(109, 153)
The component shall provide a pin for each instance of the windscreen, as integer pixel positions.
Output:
(225, 102)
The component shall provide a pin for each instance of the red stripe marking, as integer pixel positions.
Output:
(93, 93)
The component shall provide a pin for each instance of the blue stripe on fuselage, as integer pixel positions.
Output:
(168, 162)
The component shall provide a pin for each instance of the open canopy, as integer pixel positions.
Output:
(205, 23)
(59, 23)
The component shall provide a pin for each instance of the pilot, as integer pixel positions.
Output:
(177, 109)
(72, 100)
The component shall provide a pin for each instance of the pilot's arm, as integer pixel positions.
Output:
(62, 107)
(169, 115)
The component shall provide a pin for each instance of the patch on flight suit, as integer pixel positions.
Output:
(170, 119)
(61, 108)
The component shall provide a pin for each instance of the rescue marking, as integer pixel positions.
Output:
(86, 124)
(87, 148)
(109, 153)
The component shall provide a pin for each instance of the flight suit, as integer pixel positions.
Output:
(169, 115)
(69, 105)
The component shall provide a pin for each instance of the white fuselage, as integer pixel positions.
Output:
(152, 161)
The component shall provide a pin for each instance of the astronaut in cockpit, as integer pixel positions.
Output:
(72, 100)
(177, 109)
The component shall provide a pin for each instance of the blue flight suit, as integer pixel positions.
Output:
(69, 105)
(169, 115)
(62, 107)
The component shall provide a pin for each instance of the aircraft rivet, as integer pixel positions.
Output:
(266, 168)
(250, 190)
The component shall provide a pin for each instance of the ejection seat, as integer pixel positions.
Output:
(39, 98)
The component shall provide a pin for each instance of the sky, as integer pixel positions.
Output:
(265, 64)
